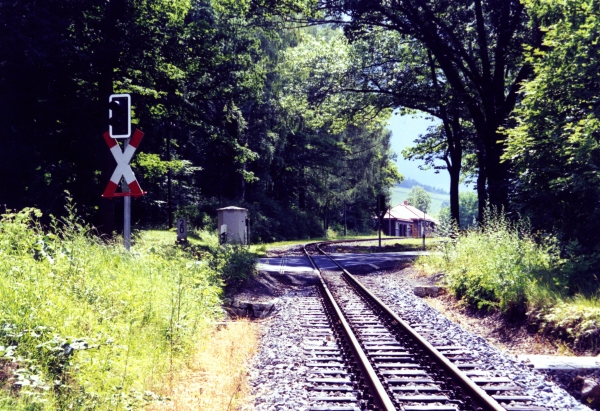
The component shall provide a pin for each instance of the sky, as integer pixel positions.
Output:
(405, 129)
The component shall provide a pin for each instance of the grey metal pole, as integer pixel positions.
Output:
(424, 217)
(126, 209)
(379, 219)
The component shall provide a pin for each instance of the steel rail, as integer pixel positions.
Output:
(381, 397)
(479, 396)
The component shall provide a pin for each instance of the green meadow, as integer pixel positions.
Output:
(399, 194)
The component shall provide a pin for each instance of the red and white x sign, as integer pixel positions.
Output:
(123, 168)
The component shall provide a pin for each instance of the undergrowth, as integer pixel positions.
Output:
(85, 325)
(501, 265)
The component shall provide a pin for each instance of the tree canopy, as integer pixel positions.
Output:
(419, 198)
(555, 144)
(212, 95)
(281, 106)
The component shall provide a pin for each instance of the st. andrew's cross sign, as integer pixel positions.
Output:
(123, 168)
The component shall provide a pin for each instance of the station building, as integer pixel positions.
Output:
(404, 220)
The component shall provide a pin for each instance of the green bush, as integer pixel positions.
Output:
(86, 325)
(501, 266)
(496, 265)
(232, 263)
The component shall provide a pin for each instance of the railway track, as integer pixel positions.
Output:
(363, 356)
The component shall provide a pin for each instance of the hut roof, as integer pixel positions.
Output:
(232, 208)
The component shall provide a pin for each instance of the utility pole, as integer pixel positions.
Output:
(379, 219)
(424, 218)
(390, 220)
(381, 209)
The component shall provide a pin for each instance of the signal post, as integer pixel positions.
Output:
(119, 126)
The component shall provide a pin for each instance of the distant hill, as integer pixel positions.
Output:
(439, 197)
(410, 183)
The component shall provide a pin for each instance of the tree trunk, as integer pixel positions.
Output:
(454, 194)
(454, 136)
(169, 180)
(345, 226)
(243, 184)
(496, 173)
(481, 181)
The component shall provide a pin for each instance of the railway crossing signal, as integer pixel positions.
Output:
(123, 168)
(119, 126)
(119, 115)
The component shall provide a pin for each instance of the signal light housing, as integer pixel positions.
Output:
(119, 115)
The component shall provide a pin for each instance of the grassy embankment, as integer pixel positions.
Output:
(85, 325)
(505, 267)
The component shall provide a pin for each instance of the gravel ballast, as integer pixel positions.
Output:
(397, 294)
(278, 371)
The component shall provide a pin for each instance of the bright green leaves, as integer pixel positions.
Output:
(419, 198)
(319, 73)
(554, 146)
(496, 265)
(313, 70)
(153, 167)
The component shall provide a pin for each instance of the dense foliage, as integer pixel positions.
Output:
(496, 264)
(459, 61)
(419, 198)
(222, 125)
(502, 265)
(554, 146)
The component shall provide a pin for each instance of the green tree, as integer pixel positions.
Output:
(419, 198)
(189, 68)
(554, 147)
(459, 61)
(213, 98)
(62, 59)
(468, 210)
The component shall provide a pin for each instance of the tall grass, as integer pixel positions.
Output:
(85, 325)
(501, 265)
(497, 265)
